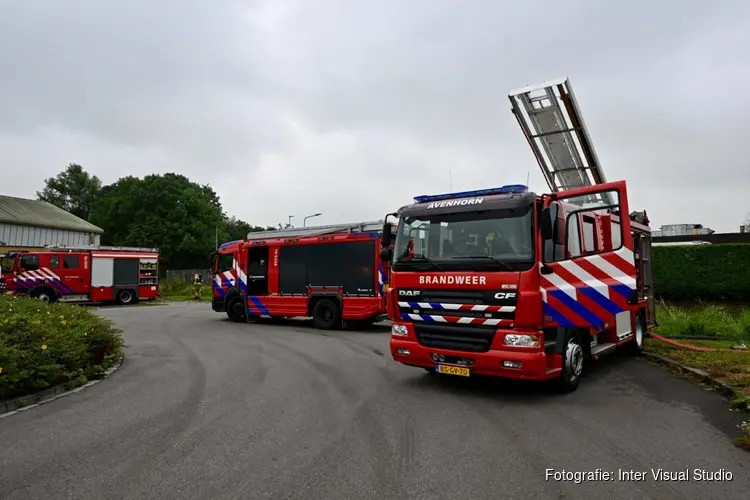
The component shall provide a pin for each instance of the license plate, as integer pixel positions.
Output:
(453, 370)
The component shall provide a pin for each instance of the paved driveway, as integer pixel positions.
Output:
(207, 409)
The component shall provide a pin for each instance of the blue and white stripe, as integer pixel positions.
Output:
(442, 306)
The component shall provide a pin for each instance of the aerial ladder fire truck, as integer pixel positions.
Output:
(508, 283)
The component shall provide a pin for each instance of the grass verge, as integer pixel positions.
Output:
(179, 291)
(729, 329)
(43, 346)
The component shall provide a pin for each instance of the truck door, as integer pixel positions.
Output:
(257, 271)
(593, 286)
(72, 273)
(25, 277)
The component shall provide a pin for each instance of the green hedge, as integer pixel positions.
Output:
(702, 271)
(42, 346)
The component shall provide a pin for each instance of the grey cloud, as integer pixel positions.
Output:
(351, 108)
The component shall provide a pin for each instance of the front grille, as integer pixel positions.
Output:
(458, 304)
(455, 337)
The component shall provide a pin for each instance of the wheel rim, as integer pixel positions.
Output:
(327, 315)
(44, 298)
(237, 308)
(125, 296)
(639, 332)
(574, 359)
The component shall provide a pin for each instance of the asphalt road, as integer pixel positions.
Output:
(206, 409)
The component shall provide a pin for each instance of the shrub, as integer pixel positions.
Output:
(46, 345)
(702, 271)
(707, 320)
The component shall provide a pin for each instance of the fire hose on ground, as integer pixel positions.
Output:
(689, 347)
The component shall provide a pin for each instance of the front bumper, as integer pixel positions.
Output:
(217, 304)
(534, 364)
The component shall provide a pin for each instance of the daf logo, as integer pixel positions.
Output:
(408, 293)
(505, 295)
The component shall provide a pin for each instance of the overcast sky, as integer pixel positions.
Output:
(351, 108)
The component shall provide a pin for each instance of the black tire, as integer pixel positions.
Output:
(326, 315)
(125, 297)
(236, 310)
(635, 346)
(45, 295)
(574, 356)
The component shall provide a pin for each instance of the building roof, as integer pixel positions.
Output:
(23, 212)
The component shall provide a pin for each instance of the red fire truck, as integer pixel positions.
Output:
(505, 282)
(83, 274)
(330, 273)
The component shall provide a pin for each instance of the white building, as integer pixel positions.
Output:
(31, 223)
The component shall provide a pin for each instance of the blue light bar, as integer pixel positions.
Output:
(224, 245)
(509, 189)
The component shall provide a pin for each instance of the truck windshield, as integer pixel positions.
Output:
(499, 239)
(6, 263)
(225, 262)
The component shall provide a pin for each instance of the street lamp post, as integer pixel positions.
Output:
(304, 221)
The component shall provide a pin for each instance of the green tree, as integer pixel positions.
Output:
(73, 190)
(236, 229)
(167, 211)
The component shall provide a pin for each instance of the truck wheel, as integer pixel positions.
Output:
(635, 346)
(572, 364)
(236, 310)
(125, 297)
(326, 315)
(44, 295)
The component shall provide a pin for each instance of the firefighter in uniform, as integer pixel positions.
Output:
(493, 238)
(197, 283)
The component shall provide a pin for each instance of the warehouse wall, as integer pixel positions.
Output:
(14, 235)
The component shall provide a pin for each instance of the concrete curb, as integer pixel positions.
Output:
(722, 387)
(17, 405)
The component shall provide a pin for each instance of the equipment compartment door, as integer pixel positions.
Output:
(257, 271)
(585, 284)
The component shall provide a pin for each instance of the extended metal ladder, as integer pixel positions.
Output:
(553, 125)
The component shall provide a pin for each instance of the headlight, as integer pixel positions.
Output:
(522, 340)
(399, 331)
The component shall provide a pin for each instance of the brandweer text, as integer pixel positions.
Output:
(452, 280)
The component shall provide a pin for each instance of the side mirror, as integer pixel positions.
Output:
(546, 225)
(387, 237)
(386, 254)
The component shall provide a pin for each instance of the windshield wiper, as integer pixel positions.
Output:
(493, 259)
(419, 258)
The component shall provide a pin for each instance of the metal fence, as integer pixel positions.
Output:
(186, 275)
